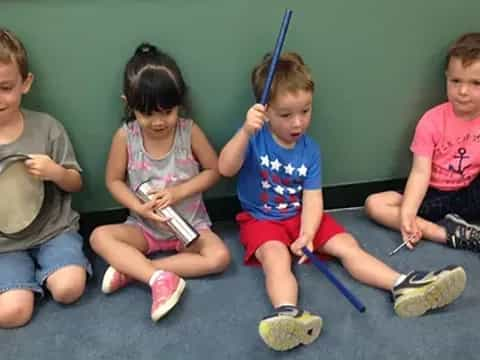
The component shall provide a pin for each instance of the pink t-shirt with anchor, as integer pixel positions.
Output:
(452, 143)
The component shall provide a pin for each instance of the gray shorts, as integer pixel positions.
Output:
(28, 269)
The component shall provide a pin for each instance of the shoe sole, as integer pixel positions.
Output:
(460, 221)
(107, 279)
(170, 303)
(441, 292)
(285, 332)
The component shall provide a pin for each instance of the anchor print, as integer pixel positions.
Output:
(461, 156)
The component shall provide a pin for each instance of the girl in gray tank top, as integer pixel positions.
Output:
(176, 167)
(175, 157)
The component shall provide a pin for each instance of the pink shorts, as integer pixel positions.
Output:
(254, 232)
(155, 244)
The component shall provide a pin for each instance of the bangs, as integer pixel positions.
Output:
(154, 90)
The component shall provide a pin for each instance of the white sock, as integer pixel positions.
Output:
(285, 304)
(154, 277)
(399, 280)
(290, 309)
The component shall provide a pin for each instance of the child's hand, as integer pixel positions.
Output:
(147, 211)
(256, 117)
(298, 244)
(164, 197)
(44, 167)
(411, 234)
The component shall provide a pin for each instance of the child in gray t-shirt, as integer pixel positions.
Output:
(49, 250)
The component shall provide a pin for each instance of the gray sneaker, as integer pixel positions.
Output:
(286, 329)
(420, 291)
(461, 234)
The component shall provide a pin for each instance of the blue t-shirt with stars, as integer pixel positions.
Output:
(272, 178)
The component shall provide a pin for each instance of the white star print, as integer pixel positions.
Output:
(264, 161)
(275, 165)
(279, 189)
(291, 190)
(282, 206)
(289, 169)
(296, 204)
(266, 184)
(302, 170)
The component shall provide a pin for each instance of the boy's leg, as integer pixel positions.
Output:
(17, 288)
(124, 246)
(384, 208)
(63, 267)
(16, 308)
(289, 326)
(281, 284)
(206, 255)
(414, 293)
(67, 284)
(438, 220)
(359, 263)
(464, 204)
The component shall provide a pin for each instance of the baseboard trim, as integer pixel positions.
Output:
(225, 208)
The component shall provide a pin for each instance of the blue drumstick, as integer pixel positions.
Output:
(324, 269)
(276, 55)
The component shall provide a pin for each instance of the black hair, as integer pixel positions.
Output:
(152, 82)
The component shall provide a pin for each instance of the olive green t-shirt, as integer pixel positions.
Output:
(42, 134)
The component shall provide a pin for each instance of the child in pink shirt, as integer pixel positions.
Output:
(443, 187)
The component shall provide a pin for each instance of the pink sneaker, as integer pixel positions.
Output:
(166, 291)
(114, 280)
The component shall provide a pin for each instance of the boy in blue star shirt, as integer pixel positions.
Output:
(279, 188)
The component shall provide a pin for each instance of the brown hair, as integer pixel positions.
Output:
(466, 48)
(12, 50)
(291, 75)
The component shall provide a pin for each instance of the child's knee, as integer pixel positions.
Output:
(220, 260)
(95, 237)
(217, 259)
(349, 246)
(370, 203)
(273, 254)
(16, 313)
(69, 286)
(68, 293)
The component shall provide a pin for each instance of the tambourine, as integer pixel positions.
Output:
(22, 197)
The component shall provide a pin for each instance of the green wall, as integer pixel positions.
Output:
(378, 66)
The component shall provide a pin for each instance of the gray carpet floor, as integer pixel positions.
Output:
(217, 317)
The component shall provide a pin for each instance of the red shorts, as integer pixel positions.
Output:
(254, 232)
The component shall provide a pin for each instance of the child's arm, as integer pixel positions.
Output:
(208, 176)
(47, 169)
(415, 191)
(312, 212)
(233, 153)
(115, 180)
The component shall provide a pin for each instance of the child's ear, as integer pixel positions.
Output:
(27, 83)
(124, 98)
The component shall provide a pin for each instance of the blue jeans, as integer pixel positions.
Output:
(29, 269)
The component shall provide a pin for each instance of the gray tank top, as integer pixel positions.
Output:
(177, 166)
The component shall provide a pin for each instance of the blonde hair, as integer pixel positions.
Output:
(291, 75)
(12, 50)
